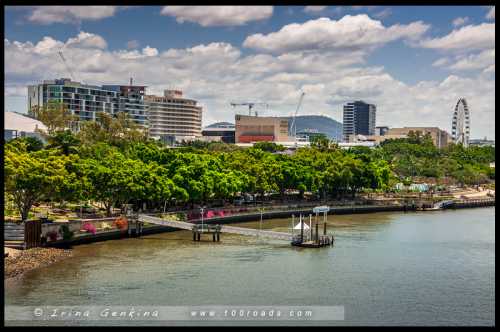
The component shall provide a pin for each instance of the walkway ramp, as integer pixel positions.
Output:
(443, 204)
(224, 228)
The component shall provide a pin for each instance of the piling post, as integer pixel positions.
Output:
(301, 229)
(310, 228)
(317, 233)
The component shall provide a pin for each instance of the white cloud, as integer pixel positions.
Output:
(149, 51)
(440, 62)
(87, 40)
(474, 61)
(217, 73)
(383, 14)
(314, 9)
(218, 15)
(491, 14)
(460, 21)
(467, 38)
(70, 14)
(348, 33)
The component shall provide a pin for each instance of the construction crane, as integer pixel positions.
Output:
(294, 125)
(250, 106)
(72, 76)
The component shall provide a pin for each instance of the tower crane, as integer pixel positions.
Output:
(294, 125)
(250, 106)
(72, 76)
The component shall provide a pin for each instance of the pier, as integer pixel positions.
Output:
(215, 229)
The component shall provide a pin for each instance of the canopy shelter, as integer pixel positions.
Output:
(298, 226)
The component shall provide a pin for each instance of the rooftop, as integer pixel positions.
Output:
(21, 122)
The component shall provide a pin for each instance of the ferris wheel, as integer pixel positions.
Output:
(460, 127)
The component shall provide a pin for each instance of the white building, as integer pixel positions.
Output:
(19, 125)
(173, 117)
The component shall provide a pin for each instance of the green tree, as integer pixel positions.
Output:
(65, 141)
(54, 115)
(31, 177)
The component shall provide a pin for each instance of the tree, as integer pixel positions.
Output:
(269, 146)
(54, 115)
(29, 144)
(33, 176)
(118, 131)
(65, 141)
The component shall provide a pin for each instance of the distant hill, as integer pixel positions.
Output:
(221, 125)
(321, 123)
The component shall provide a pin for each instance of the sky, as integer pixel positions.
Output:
(413, 63)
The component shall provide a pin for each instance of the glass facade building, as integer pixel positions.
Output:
(85, 100)
(359, 119)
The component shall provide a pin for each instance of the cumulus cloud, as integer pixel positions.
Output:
(87, 40)
(69, 14)
(481, 60)
(491, 14)
(440, 62)
(314, 9)
(470, 37)
(348, 33)
(217, 73)
(460, 21)
(149, 51)
(383, 14)
(218, 15)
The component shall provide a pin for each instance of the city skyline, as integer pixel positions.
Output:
(413, 63)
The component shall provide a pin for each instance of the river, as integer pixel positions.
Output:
(415, 268)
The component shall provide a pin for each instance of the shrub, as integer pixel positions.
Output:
(89, 228)
(65, 232)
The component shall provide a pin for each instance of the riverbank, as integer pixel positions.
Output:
(19, 262)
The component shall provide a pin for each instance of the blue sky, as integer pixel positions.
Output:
(334, 54)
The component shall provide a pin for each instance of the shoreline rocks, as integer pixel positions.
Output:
(30, 259)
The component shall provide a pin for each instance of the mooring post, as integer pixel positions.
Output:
(301, 229)
(310, 228)
(317, 233)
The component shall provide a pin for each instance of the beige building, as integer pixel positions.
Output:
(440, 137)
(173, 116)
(377, 139)
(261, 129)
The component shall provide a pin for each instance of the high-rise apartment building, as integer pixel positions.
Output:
(359, 119)
(85, 100)
(173, 117)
